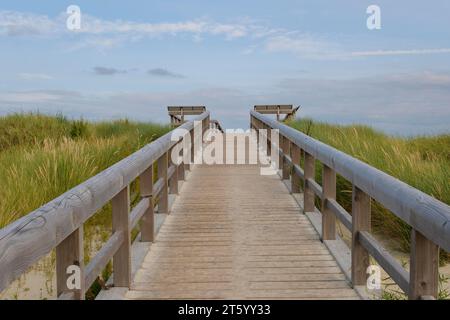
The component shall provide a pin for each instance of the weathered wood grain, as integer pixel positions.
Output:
(244, 237)
(424, 271)
(360, 222)
(70, 252)
(329, 192)
(25, 241)
(121, 223)
(308, 189)
(421, 211)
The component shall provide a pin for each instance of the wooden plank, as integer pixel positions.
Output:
(303, 293)
(235, 240)
(329, 192)
(360, 222)
(120, 222)
(177, 294)
(69, 253)
(424, 267)
(186, 110)
(274, 109)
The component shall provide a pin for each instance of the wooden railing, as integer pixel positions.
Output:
(59, 223)
(428, 217)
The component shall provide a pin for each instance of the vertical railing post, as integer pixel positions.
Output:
(280, 148)
(308, 193)
(163, 203)
(173, 181)
(70, 253)
(286, 151)
(295, 179)
(193, 145)
(424, 267)
(329, 192)
(189, 150)
(257, 127)
(146, 189)
(360, 222)
(121, 223)
(181, 166)
(206, 127)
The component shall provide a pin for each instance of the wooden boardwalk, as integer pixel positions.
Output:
(235, 234)
(232, 233)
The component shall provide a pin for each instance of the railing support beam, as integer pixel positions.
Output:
(70, 252)
(173, 181)
(360, 222)
(295, 179)
(308, 194)
(163, 204)
(148, 219)
(285, 145)
(121, 222)
(328, 192)
(424, 267)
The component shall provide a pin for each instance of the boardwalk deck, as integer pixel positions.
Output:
(235, 234)
(232, 232)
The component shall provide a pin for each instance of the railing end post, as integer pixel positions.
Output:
(424, 267)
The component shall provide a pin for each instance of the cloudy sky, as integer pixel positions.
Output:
(132, 59)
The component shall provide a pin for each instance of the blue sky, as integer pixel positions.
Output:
(132, 59)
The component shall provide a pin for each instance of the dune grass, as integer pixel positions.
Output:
(422, 162)
(43, 156)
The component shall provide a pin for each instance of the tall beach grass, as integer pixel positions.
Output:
(43, 156)
(422, 162)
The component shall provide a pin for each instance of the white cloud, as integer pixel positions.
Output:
(303, 45)
(399, 52)
(13, 23)
(106, 34)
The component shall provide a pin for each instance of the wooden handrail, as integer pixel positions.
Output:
(418, 209)
(59, 223)
(428, 217)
